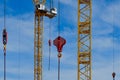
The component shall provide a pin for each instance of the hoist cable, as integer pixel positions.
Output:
(5, 39)
(51, 4)
(58, 68)
(49, 57)
(58, 17)
(19, 52)
(49, 44)
(49, 41)
(113, 49)
(4, 14)
(59, 35)
(4, 65)
(113, 35)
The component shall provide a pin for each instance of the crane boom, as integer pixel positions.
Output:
(84, 39)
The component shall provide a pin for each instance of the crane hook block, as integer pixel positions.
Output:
(113, 75)
(4, 36)
(59, 42)
(49, 42)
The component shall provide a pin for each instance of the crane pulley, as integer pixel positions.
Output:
(41, 9)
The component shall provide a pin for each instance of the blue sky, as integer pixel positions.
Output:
(20, 52)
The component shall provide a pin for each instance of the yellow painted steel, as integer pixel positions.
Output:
(39, 1)
(38, 40)
(84, 39)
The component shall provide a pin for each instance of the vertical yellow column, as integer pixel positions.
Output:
(38, 40)
(84, 39)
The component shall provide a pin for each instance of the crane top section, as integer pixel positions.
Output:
(40, 9)
(36, 2)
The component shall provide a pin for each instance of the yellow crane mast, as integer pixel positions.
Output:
(84, 39)
(40, 12)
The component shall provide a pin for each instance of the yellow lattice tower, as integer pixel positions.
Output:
(38, 32)
(40, 12)
(84, 39)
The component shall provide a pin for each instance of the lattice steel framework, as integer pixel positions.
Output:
(84, 39)
(38, 35)
(38, 39)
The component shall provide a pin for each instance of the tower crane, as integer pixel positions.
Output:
(84, 39)
(40, 12)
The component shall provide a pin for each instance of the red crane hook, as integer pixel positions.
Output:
(59, 42)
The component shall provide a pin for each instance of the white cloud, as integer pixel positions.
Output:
(18, 30)
(111, 14)
(104, 70)
(102, 43)
(71, 3)
(65, 74)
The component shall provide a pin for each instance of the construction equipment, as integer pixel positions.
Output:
(4, 39)
(84, 39)
(40, 12)
(59, 42)
(4, 49)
